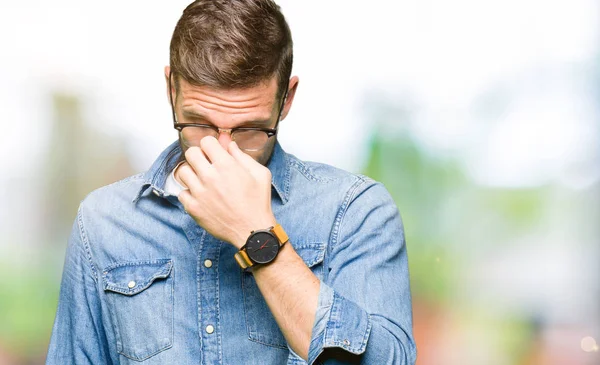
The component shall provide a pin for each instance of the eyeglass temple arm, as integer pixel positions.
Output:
(285, 93)
(171, 97)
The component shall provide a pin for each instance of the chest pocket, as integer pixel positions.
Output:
(260, 323)
(140, 299)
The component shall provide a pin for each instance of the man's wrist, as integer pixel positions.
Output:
(262, 247)
(243, 233)
(286, 256)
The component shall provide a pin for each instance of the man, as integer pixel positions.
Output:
(229, 250)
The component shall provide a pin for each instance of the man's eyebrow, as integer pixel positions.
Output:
(197, 115)
(193, 114)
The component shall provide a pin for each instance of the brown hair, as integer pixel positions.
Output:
(232, 44)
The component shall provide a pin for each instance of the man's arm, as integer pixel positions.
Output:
(291, 291)
(78, 336)
(364, 306)
(364, 312)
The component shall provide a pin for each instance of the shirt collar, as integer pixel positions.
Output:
(279, 165)
(158, 173)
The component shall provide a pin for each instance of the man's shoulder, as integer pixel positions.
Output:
(119, 192)
(319, 172)
(336, 186)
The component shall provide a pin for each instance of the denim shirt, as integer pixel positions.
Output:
(143, 283)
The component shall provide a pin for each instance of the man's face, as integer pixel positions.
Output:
(257, 106)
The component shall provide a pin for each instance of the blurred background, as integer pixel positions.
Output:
(482, 118)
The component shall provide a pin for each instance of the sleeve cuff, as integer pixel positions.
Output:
(338, 323)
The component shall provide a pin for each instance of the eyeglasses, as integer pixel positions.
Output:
(247, 138)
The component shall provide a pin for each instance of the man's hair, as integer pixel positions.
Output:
(232, 44)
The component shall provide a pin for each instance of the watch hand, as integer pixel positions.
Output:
(263, 245)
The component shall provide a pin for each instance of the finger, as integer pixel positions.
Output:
(176, 174)
(248, 163)
(240, 156)
(196, 159)
(187, 200)
(189, 178)
(213, 150)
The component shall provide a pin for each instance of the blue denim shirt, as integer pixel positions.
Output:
(144, 284)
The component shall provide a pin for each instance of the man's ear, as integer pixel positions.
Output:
(170, 88)
(292, 87)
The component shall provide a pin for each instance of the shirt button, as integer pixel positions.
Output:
(207, 263)
(131, 284)
(155, 192)
(210, 329)
(346, 342)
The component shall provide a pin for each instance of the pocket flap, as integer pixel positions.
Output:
(130, 278)
(311, 253)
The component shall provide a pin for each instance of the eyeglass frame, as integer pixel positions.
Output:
(269, 131)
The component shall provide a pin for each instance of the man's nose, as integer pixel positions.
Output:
(224, 138)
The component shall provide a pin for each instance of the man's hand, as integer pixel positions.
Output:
(230, 195)
(229, 192)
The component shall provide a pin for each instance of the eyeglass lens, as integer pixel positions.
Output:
(249, 140)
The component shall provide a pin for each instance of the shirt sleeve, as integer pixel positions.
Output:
(78, 336)
(364, 311)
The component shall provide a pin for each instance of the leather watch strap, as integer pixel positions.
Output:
(280, 234)
(242, 257)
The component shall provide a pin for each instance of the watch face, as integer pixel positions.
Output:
(262, 247)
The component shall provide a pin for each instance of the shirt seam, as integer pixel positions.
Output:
(305, 170)
(348, 199)
(288, 175)
(86, 245)
(127, 179)
(162, 166)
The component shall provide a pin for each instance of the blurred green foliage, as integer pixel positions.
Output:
(79, 160)
(450, 222)
(28, 301)
(423, 187)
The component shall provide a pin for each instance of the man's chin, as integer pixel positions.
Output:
(267, 153)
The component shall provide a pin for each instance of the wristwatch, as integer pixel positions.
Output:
(262, 246)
